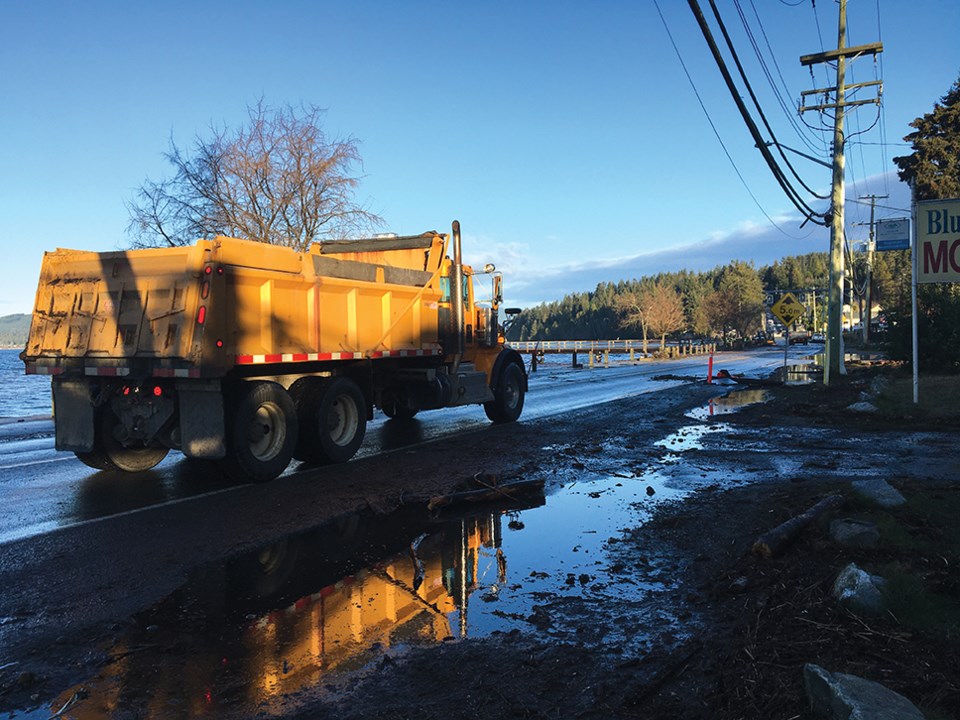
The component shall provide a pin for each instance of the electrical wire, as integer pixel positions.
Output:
(775, 169)
(756, 103)
(789, 110)
(878, 64)
(713, 127)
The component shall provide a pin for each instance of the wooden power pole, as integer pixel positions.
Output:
(833, 364)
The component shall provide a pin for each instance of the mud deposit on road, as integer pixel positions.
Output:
(626, 590)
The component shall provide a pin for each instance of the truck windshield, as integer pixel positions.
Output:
(445, 288)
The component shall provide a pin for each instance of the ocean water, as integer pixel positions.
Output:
(21, 395)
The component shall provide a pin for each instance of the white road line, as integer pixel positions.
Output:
(37, 462)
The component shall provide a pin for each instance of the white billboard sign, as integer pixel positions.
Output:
(938, 241)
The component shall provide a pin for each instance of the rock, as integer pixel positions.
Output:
(839, 696)
(880, 491)
(26, 679)
(858, 589)
(863, 406)
(854, 533)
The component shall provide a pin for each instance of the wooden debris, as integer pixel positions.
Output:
(515, 490)
(772, 542)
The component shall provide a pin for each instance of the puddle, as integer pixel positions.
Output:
(292, 615)
(244, 636)
(729, 403)
(689, 437)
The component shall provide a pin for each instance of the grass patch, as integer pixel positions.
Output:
(919, 556)
(939, 397)
(915, 605)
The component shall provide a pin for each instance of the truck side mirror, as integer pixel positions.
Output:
(497, 290)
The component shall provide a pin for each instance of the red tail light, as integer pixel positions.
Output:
(201, 314)
(157, 391)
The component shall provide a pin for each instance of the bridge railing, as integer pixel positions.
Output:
(601, 350)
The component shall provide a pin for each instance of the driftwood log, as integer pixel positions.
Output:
(773, 541)
(513, 491)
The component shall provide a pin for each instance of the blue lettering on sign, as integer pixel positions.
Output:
(941, 222)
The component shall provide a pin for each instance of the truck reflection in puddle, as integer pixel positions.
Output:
(248, 633)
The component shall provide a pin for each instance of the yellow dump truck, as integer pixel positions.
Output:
(254, 354)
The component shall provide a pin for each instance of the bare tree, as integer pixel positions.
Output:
(279, 179)
(665, 311)
(632, 307)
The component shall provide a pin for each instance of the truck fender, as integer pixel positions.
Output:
(507, 356)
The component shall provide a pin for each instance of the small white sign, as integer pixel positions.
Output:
(893, 234)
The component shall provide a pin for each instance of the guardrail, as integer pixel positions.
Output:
(601, 350)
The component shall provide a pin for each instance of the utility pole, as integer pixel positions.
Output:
(868, 291)
(833, 365)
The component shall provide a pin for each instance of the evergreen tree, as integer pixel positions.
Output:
(933, 168)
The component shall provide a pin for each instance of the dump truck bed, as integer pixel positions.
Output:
(201, 310)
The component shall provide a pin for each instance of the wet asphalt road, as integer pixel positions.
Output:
(45, 490)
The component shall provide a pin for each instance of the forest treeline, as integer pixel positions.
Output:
(724, 303)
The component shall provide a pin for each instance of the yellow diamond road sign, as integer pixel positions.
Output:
(788, 309)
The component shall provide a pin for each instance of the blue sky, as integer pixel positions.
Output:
(563, 135)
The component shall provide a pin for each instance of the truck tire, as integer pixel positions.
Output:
(507, 403)
(261, 432)
(109, 454)
(96, 459)
(334, 423)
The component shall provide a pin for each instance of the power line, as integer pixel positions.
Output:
(883, 114)
(756, 103)
(791, 193)
(788, 108)
(713, 127)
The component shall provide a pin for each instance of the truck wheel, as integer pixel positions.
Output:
(335, 423)
(507, 403)
(262, 432)
(119, 457)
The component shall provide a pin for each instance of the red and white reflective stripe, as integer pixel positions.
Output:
(296, 357)
(35, 369)
(419, 352)
(107, 371)
(176, 372)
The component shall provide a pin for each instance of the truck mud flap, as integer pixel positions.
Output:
(73, 415)
(201, 420)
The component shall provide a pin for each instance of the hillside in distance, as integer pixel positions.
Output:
(14, 330)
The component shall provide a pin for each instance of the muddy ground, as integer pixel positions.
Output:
(725, 636)
(737, 629)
